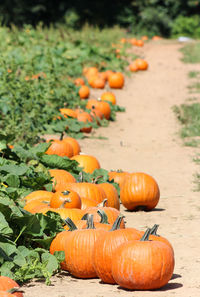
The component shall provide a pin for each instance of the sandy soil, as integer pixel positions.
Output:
(145, 139)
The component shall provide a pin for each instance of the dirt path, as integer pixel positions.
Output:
(144, 139)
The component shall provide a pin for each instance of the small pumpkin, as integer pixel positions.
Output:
(84, 92)
(68, 112)
(109, 96)
(65, 199)
(141, 64)
(87, 162)
(79, 81)
(60, 148)
(85, 118)
(116, 80)
(60, 178)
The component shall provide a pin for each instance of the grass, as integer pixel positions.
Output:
(191, 53)
(188, 114)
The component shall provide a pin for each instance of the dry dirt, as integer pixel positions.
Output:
(144, 138)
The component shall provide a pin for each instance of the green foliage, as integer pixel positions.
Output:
(186, 26)
(191, 53)
(37, 68)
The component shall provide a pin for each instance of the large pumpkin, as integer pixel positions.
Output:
(139, 190)
(143, 265)
(116, 80)
(60, 148)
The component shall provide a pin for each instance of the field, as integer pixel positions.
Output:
(143, 137)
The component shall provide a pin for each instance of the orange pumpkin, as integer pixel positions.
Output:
(79, 81)
(85, 118)
(139, 190)
(108, 96)
(89, 163)
(60, 148)
(74, 143)
(60, 178)
(67, 112)
(133, 67)
(116, 80)
(6, 283)
(84, 92)
(66, 199)
(111, 195)
(35, 195)
(103, 106)
(142, 264)
(140, 43)
(141, 64)
(118, 176)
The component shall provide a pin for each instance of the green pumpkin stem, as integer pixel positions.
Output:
(70, 224)
(61, 135)
(103, 215)
(90, 221)
(145, 236)
(154, 230)
(103, 203)
(95, 180)
(117, 223)
(67, 200)
(66, 192)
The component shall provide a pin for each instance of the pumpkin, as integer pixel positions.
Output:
(103, 106)
(116, 80)
(6, 294)
(87, 202)
(144, 38)
(6, 283)
(118, 176)
(85, 118)
(74, 143)
(141, 64)
(35, 195)
(111, 195)
(140, 43)
(79, 252)
(143, 264)
(96, 114)
(79, 81)
(87, 190)
(74, 214)
(112, 213)
(36, 202)
(133, 67)
(87, 162)
(109, 96)
(66, 199)
(91, 71)
(60, 178)
(139, 190)
(67, 112)
(60, 148)
(58, 242)
(106, 246)
(84, 92)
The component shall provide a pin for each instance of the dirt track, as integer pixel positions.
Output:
(145, 139)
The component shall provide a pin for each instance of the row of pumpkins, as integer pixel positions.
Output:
(96, 241)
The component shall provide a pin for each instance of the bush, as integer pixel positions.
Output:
(186, 26)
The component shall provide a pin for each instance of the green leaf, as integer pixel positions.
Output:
(12, 180)
(54, 161)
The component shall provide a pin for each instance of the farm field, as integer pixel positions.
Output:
(145, 139)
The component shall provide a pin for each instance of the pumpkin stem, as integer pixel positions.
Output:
(95, 180)
(145, 236)
(85, 217)
(15, 289)
(154, 230)
(61, 135)
(66, 192)
(70, 224)
(103, 203)
(103, 215)
(117, 223)
(67, 200)
(80, 178)
(90, 221)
